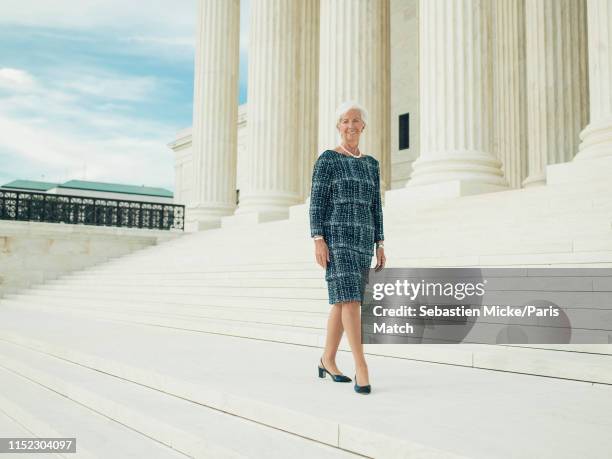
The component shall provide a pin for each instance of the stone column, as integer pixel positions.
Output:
(557, 97)
(273, 154)
(215, 113)
(456, 101)
(509, 89)
(597, 136)
(354, 65)
(308, 102)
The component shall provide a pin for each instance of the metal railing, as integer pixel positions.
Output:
(85, 210)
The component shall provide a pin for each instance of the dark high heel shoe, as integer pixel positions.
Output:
(362, 389)
(337, 378)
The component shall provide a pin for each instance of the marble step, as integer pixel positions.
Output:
(303, 262)
(144, 271)
(593, 253)
(251, 274)
(172, 426)
(135, 291)
(396, 236)
(276, 385)
(474, 213)
(163, 281)
(178, 263)
(10, 428)
(294, 234)
(305, 305)
(163, 284)
(591, 363)
(559, 195)
(316, 300)
(45, 413)
(522, 204)
(189, 296)
(258, 314)
(207, 318)
(309, 305)
(582, 315)
(395, 247)
(50, 261)
(194, 276)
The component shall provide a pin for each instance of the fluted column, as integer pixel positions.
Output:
(509, 89)
(597, 136)
(308, 102)
(557, 97)
(456, 98)
(354, 65)
(273, 160)
(215, 113)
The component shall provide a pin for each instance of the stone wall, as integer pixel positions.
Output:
(33, 252)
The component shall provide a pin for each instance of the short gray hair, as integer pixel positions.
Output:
(349, 105)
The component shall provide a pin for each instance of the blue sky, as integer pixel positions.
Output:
(96, 90)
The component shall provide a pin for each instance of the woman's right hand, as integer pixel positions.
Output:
(321, 252)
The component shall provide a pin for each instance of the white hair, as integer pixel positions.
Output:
(349, 105)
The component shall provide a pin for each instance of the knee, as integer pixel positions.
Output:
(350, 305)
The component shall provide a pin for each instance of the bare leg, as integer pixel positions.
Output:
(332, 341)
(351, 320)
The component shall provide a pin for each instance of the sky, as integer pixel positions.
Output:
(96, 89)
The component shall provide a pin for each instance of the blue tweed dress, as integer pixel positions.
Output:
(346, 209)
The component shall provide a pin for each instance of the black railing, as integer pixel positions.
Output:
(82, 210)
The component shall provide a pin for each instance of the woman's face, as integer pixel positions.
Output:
(351, 125)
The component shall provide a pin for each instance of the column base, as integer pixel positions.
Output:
(587, 170)
(425, 194)
(469, 167)
(267, 202)
(534, 180)
(247, 220)
(203, 218)
(596, 141)
(300, 211)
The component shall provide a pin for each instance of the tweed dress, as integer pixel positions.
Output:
(346, 209)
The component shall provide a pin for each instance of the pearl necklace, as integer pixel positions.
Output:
(352, 154)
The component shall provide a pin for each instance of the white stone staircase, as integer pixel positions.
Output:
(206, 346)
(33, 252)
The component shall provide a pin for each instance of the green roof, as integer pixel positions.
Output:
(117, 188)
(30, 185)
(92, 186)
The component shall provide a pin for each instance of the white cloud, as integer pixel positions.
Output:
(186, 41)
(58, 132)
(61, 120)
(36, 144)
(16, 79)
(162, 28)
(138, 157)
(113, 87)
(165, 17)
(60, 94)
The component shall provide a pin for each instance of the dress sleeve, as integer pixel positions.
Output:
(377, 211)
(319, 195)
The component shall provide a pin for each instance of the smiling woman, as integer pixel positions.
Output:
(346, 221)
(349, 125)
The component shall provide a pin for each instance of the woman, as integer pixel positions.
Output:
(346, 220)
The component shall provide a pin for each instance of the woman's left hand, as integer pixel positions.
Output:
(380, 259)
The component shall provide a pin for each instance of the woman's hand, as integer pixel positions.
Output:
(321, 252)
(380, 259)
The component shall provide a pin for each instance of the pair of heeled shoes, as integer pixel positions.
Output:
(341, 378)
